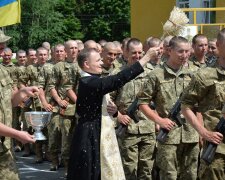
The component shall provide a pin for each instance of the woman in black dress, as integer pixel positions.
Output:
(84, 163)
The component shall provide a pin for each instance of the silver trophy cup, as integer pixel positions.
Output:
(38, 120)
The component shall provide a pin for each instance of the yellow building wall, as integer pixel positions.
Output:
(220, 15)
(148, 17)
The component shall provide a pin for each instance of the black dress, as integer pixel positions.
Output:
(84, 162)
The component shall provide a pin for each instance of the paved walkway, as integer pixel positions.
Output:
(30, 170)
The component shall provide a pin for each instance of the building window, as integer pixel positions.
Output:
(209, 16)
(183, 3)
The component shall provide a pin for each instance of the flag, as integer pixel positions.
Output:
(9, 12)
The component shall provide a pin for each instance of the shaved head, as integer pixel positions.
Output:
(90, 44)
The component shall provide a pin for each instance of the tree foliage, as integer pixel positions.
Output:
(56, 21)
(105, 19)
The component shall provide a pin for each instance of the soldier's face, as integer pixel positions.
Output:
(60, 53)
(109, 55)
(42, 56)
(94, 63)
(135, 53)
(180, 54)
(201, 47)
(72, 50)
(32, 57)
(21, 58)
(6, 57)
(212, 49)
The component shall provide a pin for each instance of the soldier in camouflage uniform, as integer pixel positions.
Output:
(19, 71)
(138, 143)
(119, 49)
(63, 89)
(200, 47)
(10, 67)
(47, 46)
(166, 42)
(31, 57)
(207, 89)
(121, 61)
(163, 87)
(31, 78)
(212, 53)
(156, 42)
(44, 79)
(109, 54)
(54, 127)
(8, 170)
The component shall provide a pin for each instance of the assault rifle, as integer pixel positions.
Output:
(208, 154)
(131, 112)
(161, 137)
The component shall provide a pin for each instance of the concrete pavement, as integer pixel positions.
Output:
(30, 170)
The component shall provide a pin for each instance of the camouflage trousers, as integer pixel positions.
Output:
(67, 124)
(54, 138)
(137, 155)
(60, 131)
(16, 122)
(178, 161)
(214, 171)
(8, 169)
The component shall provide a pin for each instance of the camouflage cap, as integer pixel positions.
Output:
(3, 37)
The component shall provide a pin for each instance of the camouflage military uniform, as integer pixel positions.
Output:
(120, 62)
(11, 68)
(155, 65)
(32, 78)
(18, 110)
(164, 87)
(54, 133)
(19, 71)
(138, 144)
(44, 79)
(207, 88)
(64, 77)
(107, 71)
(196, 63)
(8, 170)
(211, 60)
